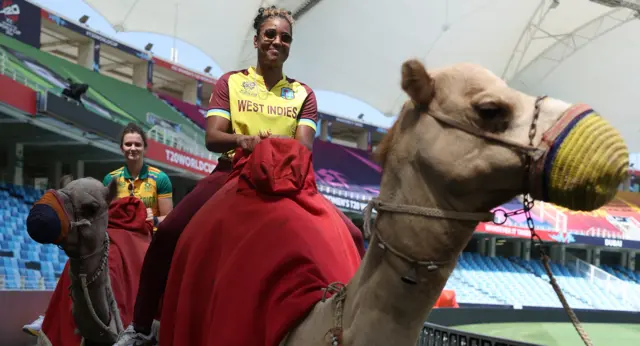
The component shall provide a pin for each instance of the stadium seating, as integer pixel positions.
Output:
(518, 282)
(24, 264)
(477, 279)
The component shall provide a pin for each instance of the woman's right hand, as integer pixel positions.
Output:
(247, 142)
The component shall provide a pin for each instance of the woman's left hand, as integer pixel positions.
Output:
(267, 134)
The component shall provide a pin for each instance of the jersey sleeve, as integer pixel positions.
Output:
(163, 183)
(107, 179)
(309, 114)
(219, 103)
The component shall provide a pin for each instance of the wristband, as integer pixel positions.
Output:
(155, 221)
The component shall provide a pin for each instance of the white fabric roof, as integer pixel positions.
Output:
(356, 47)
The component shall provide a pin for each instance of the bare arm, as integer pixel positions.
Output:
(165, 205)
(305, 135)
(218, 139)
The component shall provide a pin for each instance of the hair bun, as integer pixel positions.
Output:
(261, 10)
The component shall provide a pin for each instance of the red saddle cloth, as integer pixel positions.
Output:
(130, 236)
(255, 258)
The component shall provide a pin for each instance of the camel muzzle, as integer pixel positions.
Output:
(48, 222)
(584, 162)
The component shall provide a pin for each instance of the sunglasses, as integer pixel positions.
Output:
(271, 34)
(131, 189)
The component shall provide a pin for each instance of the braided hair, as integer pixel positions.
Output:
(265, 13)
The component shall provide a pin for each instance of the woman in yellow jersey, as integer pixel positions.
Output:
(136, 178)
(245, 107)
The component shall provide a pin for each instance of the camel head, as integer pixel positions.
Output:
(74, 217)
(466, 133)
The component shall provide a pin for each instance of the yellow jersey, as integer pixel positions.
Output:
(151, 185)
(242, 97)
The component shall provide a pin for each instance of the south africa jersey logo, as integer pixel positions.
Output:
(287, 94)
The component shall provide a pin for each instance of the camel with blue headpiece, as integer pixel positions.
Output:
(106, 240)
(266, 262)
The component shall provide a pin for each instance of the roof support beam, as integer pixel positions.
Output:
(546, 62)
(529, 34)
(49, 46)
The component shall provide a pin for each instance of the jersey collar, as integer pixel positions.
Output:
(144, 172)
(253, 74)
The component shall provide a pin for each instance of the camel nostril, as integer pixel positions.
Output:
(43, 224)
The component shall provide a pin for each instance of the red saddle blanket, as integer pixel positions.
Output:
(255, 258)
(130, 236)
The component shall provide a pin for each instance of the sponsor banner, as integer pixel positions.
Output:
(608, 242)
(93, 35)
(18, 95)
(183, 71)
(177, 158)
(518, 232)
(21, 20)
(96, 56)
(347, 172)
(343, 202)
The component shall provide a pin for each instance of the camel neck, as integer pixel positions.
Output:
(377, 298)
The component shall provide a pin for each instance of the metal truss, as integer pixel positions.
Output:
(531, 32)
(563, 47)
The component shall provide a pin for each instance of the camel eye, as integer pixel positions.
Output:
(90, 208)
(491, 110)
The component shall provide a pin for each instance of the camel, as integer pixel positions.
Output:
(463, 143)
(85, 204)
(460, 147)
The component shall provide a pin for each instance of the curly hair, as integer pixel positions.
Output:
(133, 128)
(265, 13)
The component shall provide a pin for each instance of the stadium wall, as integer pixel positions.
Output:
(21, 307)
(17, 309)
(470, 315)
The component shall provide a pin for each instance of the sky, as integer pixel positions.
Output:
(328, 102)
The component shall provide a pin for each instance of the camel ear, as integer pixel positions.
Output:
(417, 83)
(112, 191)
(65, 180)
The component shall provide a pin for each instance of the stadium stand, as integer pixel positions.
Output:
(24, 264)
(126, 102)
(477, 279)
(192, 112)
(517, 282)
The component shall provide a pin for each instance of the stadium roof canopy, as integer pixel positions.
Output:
(576, 50)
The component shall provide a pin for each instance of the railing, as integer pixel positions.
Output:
(6, 70)
(554, 216)
(435, 335)
(181, 142)
(628, 292)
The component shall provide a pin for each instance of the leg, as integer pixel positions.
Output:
(157, 261)
(356, 234)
